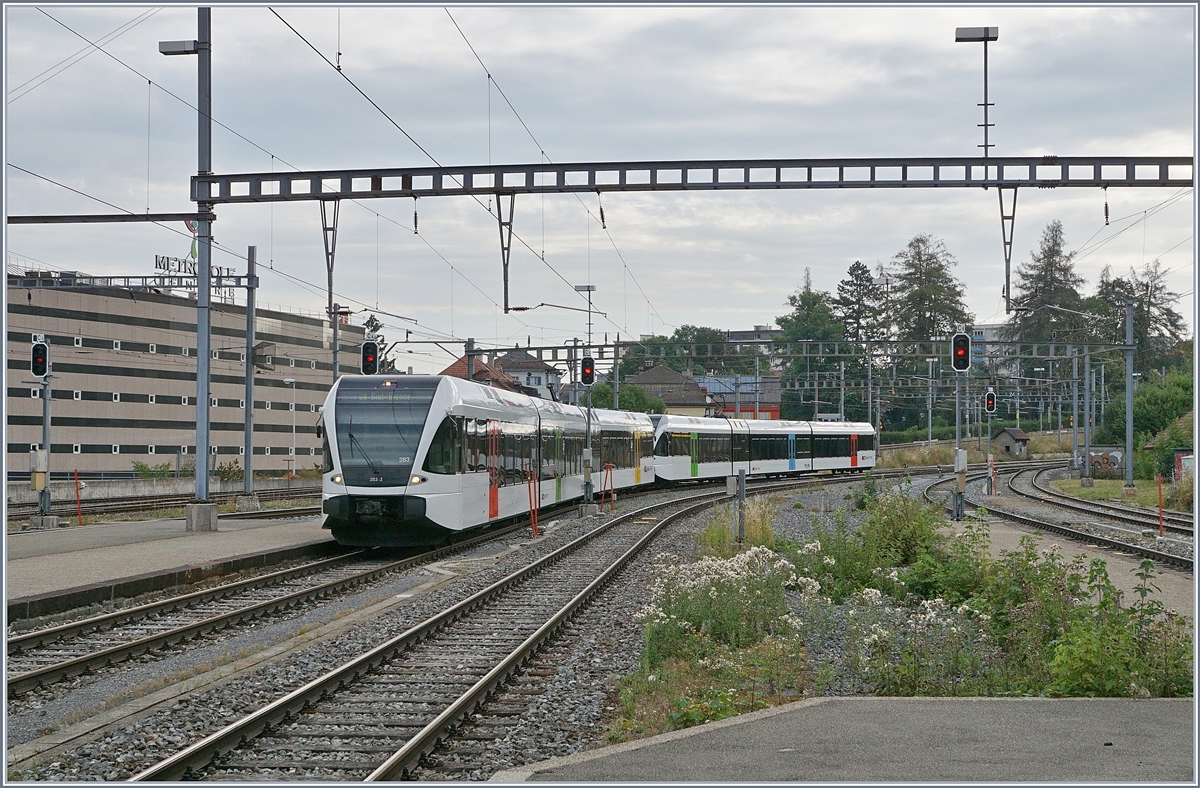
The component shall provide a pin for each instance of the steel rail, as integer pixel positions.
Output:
(1169, 515)
(1062, 530)
(151, 502)
(18, 643)
(201, 753)
(29, 680)
(1094, 508)
(400, 764)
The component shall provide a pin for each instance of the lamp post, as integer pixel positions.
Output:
(984, 34)
(292, 382)
(202, 49)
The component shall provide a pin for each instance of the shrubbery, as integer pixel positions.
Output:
(914, 612)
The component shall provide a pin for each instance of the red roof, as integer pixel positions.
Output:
(484, 373)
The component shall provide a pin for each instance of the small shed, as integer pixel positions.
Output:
(1011, 441)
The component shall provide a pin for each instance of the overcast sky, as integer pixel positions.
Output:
(594, 84)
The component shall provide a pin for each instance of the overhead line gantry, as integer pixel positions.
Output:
(1004, 173)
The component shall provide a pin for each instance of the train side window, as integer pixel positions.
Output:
(326, 454)
(444, 449)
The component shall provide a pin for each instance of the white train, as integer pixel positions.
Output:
(413, 459)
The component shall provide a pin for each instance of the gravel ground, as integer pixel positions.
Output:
(122, 753)
(578, 672)
(603, 644)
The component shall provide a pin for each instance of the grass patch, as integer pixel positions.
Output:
(1114, 490)
(718, 538)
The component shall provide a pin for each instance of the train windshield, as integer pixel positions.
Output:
(379, 425)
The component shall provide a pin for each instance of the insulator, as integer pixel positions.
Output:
(414, 218)
(1106, 206)
(602, 225)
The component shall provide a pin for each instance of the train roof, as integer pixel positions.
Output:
(477, 395)
(670, 423)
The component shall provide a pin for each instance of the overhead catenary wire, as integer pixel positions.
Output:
(542, 150)
(431, 157)
(92, 46)
(78, 56)
(318, 289)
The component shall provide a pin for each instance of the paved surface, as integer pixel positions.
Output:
(907, 739)
(40, 562)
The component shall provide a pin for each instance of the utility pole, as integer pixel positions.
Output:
(1129, 392)
(1074, 405)
(929, 402)
(251, 286)
(1085, 479)
(842, 396)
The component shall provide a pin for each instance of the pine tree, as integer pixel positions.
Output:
(928, 300)
(1048, 280)
(859, 305)
(812, 317)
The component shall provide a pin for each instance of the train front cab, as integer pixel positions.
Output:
(377, 490)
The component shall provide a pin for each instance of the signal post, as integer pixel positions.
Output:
(39, 459)
(960, 360)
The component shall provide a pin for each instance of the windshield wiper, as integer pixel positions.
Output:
(354, 442)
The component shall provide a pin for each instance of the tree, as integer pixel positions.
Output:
(696, 348)
(1157, 327)
(929, 299)
(812, 317)
(1048, 280)
(859, 305)
(633, 399)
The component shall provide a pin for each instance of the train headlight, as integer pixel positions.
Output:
(337, 479)
(417, 480)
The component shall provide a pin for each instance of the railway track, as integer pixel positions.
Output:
(1179, 522)
(46, 656)
(1131, 542)
(149, 503)
(376, 716)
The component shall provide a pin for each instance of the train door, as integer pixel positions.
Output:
(694, 452)
(853, 451)
(558, 463)
(791, 452)
(637, 457)
(493, 468)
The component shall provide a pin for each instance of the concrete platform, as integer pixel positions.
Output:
(1088, 740)
(94, 560)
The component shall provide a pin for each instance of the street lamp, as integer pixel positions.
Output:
(292, 382)
(201, 47)
(984, 34)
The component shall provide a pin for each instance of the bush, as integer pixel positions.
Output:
(734, 602)
(144, 471)
(229, 472)
(1110, 651)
